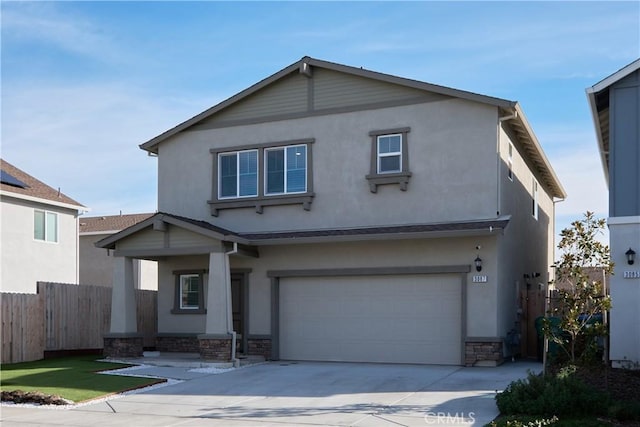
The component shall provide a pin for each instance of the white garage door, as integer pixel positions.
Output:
(397, 319)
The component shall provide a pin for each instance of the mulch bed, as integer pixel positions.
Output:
(621, 384)
(34, 397)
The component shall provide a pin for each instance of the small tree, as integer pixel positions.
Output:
(583, 294)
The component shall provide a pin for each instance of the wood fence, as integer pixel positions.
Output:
(65, 317)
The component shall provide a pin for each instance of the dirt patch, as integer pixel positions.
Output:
(34, 397)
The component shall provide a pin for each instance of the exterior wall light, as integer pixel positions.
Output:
(478, 263)
(631, 256)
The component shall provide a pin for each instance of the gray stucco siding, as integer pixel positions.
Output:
(481, 302)
(178, 323)
(624, 195)
(451, 153)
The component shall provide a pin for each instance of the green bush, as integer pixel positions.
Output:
(625, 411)
(549, 395)
(524, 423)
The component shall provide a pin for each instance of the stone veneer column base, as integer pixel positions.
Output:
(215, 347)
(483, 352)
(123, 345)
(259, 347)
(177, 343)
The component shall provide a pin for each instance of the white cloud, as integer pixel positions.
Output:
(84, 139)
(577, 163)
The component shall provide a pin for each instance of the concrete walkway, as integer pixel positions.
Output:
(298, 393)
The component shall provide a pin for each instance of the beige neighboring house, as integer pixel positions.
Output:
(333, 213)
(96, 264)
(39, 232)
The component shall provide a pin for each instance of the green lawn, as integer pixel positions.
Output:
(74, 378)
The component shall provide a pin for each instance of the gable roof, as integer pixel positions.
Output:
(32, 188)
(598, 96)
(308, 236)
(199, 227)
(306, 64)
(110, 224)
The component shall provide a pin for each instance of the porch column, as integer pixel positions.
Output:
(123, 339)
(215, 343)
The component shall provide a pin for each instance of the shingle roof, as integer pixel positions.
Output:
(398, 229)
(35, 187)
(345, 234)
(92, 224)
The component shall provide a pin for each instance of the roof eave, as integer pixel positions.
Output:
(151, 146)
(615, 77)
(557, 189)
(110, 241)
(602, 149)
(79, 208)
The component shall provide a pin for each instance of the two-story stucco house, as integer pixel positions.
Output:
(338, 214)
(96, 265)
(615, 106)
(39, 232)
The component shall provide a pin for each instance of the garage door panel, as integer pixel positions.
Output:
(403, 319)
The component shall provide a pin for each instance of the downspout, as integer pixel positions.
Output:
(236, 362)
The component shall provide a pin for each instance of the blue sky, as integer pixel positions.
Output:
(84, 83)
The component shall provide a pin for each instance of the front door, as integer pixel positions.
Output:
(237, 307)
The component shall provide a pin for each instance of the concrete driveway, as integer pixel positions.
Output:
(299, 393)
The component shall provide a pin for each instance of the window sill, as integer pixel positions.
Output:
(401, 178)
(258, 203)
(189, 311)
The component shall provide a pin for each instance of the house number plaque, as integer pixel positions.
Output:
(479, 279)
(632, 274)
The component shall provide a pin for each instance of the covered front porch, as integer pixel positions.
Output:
(201, 300)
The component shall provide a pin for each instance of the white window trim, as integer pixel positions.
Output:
(237, 154)
(392, 154)
(285, 149)
(197, 307)
(55, 242)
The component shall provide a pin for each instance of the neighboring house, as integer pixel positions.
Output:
(615, 105)
(334, 213)
(96, 265)
(39, 232)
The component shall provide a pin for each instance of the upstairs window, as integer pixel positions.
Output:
(238, 174)
(534, 199)
(389, 158)
(45, 226)
(259, 175)
(286, 170)
(390, 153)
(510, 162)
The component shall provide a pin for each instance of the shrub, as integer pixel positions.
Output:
(548, 395)
(625, 411)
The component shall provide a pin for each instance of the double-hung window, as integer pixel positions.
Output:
(389, 153)
(286, 170)
(189, 293)
(238, 174)
(45, 226)
(389, 158)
